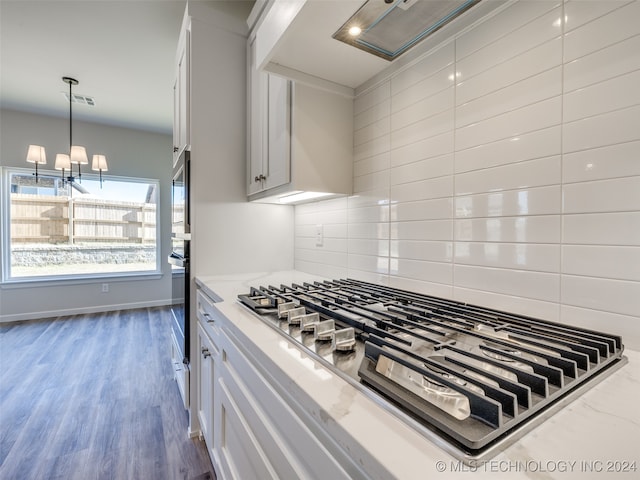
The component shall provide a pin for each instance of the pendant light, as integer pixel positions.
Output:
(77, 154)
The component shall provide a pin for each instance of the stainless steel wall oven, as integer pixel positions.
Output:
(179, 258)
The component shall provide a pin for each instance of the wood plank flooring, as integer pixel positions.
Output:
(93, 397)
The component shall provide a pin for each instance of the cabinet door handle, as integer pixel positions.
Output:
(207, 317)
(175, 149)
(205, 352)
(259, 178)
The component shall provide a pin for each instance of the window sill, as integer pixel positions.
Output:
(80, 279)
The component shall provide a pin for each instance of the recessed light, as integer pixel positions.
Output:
(355, 31)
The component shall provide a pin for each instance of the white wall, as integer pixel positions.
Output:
(130, 153)
(516, 186)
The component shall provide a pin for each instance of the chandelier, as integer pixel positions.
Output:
(77, 154)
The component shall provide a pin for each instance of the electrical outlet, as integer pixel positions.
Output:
(105, 288)
(319, 235)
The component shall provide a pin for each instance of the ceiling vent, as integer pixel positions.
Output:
(388, 28)
(81, 99)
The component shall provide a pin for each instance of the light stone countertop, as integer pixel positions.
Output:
(595, 436)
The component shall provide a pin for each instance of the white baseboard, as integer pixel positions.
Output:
(17, 317)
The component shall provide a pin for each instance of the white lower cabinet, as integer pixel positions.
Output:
(250, 430)
(260, 435)
(180, 371)
(208, 356)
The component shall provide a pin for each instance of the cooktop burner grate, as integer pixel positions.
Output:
(472, 374)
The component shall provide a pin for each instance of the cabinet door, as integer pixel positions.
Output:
(278, 170)
(181, 98)
(207, 358)
(257, 90)
(176, 117)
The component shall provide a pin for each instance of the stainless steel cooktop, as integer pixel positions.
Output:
(471, 378)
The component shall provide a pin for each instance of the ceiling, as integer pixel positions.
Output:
(121, 51)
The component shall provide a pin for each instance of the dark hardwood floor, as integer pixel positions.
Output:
(93, 397)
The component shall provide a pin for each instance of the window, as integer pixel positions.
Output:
(57, 229)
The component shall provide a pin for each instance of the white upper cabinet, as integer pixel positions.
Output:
(269, 130)
(181, 97)
(300, 139)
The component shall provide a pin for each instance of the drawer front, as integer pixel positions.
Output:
(282, 436)
(209, 316)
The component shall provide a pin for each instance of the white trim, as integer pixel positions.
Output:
(310, 80)
(82, 310)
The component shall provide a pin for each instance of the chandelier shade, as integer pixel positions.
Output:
(36, 154)
(62, 162)
(79, 155)
(99, 163)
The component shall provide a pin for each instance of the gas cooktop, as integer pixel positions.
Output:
(471, 378)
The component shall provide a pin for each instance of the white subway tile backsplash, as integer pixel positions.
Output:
(527, 201)
(520, 256)
(580, 12)
(612, 61)
(611, 28)
(428, 168)
(377, 163)
(434, 272)
(535, 285)
(511, 124)
(602, 229)
(603, 97)
(371, 181)
(372, 115)
(615, 296)
(373, 97)
(369, 263)
(427, 148)
(434, 209)
(532, 62)
(372, 148)
(607, 129)
(496, 28)
(531, 90)
(379, 231)
(613, 161)
(434, 251)
(369, 198)
(623, 325)
(615, 195)
(532, 173)
(421, 109)
(533, 229)
(366, 246)
(428, 127)
(422, 69)
(422, 190)
(437, 289)
(372, 131)
(501, 169)
(430, 86)
(509, 303)
(534, 33)
(373, 214)
(424, 230)
(541, 143)
(617, 262)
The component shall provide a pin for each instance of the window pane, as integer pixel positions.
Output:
(63, 229)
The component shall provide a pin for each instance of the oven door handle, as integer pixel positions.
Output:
(177, 260)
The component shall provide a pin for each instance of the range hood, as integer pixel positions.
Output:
(389, 28)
